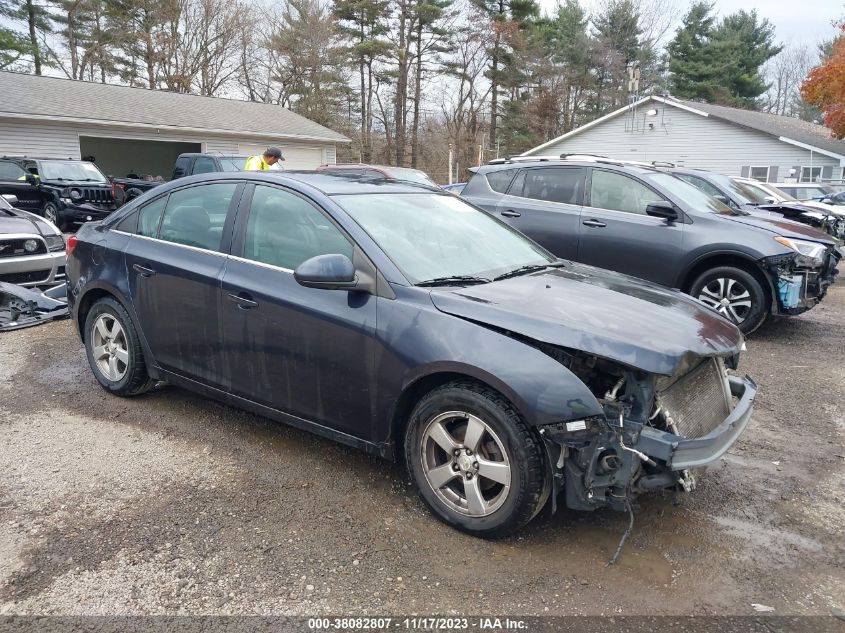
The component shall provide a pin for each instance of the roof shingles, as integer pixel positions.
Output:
(67, 99)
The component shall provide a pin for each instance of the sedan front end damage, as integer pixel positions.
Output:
(655, 429)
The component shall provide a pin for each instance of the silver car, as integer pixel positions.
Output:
(32, 249)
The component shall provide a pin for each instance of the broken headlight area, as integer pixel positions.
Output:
(801, 278)
(654, 431)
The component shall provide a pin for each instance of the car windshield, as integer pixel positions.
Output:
(70, 170)
(412, 175)
(233, 163)
(771, 190)
(690, 194)
(737, 191)
(805, 193)
(431, 236)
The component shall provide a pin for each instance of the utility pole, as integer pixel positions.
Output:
(451, 156)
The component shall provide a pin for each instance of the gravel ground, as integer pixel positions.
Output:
(173, 504)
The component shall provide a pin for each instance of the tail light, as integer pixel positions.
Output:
(71, 244)
(114, 187)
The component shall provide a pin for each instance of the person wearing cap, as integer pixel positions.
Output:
(270, 157)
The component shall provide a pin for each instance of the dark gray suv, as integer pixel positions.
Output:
(645, 222)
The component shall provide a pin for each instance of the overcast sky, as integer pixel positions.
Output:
(796, 21)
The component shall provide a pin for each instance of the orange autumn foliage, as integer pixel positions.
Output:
(825, 87)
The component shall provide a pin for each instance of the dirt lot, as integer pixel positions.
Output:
(170, 503)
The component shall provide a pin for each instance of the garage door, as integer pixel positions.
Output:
(295, 157)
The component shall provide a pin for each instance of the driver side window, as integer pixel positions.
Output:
(618, 192)
(284, 230)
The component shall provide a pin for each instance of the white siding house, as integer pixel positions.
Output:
(133, 130)
(726, 140)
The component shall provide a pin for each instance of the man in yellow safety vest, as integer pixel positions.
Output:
(271, 156)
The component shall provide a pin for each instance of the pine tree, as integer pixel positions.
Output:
(692, 66)
(507, 18)
(744, 43)
(364, 22)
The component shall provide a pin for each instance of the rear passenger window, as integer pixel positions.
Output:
(619, 192)
(149, 217)
(195, 216)
(284, 230)
(553, 184)
(499, 180)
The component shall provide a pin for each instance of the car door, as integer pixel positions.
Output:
(305, 351)
(13, 182)
(175, 263)
(616, 233)
(544, 203)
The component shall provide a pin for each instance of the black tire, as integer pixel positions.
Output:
(135, 380)
(739, 282)
(50, 211)
(529, 480)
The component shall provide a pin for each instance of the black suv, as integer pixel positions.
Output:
(66, 192)
(642, 221)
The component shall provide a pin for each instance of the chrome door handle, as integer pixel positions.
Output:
(244, 303)
(594, 223)
(510, 213)
(143, 270)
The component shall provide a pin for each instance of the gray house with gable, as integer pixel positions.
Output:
(731, 141)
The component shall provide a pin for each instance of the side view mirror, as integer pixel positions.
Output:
(331, 272)
(31, 179)
(662, 209)
(12, 200)
(723, 200)
(771, 200)
(826, 201)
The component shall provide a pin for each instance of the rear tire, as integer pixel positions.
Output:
(492, 480)
(734, 293)
(114, 350)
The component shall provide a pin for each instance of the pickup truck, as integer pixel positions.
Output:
(127, 189)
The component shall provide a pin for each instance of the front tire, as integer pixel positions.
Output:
(114, 350)
(734, 293)
(51, 213)
(475, 462)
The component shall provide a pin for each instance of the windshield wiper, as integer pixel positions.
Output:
(453, 280)
(524, 270)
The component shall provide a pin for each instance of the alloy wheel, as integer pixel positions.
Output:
(465, 463)
(109, 347)
(728, 297)
(51, 214)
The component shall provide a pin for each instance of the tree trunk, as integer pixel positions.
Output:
(415, 133)
(33, 41)
(401, 98)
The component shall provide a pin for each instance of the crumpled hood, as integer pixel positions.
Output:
(599, 312)
(783, 227)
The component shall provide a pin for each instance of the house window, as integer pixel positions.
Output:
(811, 174)
(760, 173)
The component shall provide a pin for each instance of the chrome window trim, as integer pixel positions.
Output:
(161, 241)
(255, 262)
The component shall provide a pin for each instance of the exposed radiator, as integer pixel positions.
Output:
(699, 401)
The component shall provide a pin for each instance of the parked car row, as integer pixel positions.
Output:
(506, 368)
(650, 222)
(397, 318)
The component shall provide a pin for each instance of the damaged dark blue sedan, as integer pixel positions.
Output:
(399, 319)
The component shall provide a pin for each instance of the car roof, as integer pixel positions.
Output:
(65, 159)
(575, 161)
(325, 182)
